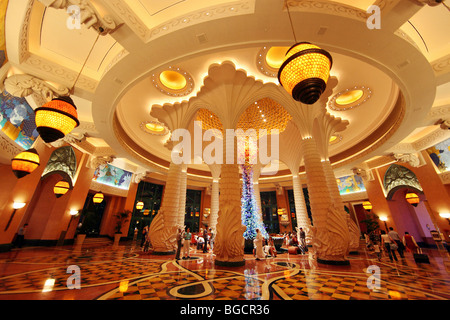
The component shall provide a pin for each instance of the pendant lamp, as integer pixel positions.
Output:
(140, 205)
(305, 70)
(61, 188)
(367, 205)
(98, 197)
(25, 163)
(412, 198)
(59, 117)
(56, 118)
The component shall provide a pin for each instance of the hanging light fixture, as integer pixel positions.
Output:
(56, 118)
(61, 188)
(412, 198)
(59, 117)
(305, 70)
(25, 163)
(367, 205)
(98, 197)
(140, 205)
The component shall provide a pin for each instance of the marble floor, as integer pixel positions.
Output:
(100, 271)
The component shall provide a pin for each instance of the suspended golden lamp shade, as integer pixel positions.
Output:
(139, 205)
(412, 198)
(61, 188)
(98, 197)
(367, 205)
(146, 212)
(305, 72)
(56, 118)
(25, 163)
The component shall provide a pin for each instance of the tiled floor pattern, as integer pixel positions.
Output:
(134, 275)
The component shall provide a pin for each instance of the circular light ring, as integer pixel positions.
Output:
(266, 63)
(154, 127)
(25, 163)
(56, 118)
(174, 91)
(305, 72)
(61, 188)
(334, 104)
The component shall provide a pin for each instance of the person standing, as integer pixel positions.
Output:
(387, 241)
(302, 236)
(205, 237)
(211, 239)
(179, 242)
(394, 236)
(187, 243)
(21, 235)
(144, 235)
(409, 242)
(259, 245)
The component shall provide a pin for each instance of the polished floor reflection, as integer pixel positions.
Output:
(105, 272)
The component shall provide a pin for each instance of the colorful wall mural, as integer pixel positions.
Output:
(350, 184)
(440, 154)
(113, 176)
(17, 120)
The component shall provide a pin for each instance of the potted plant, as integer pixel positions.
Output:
(121, 218)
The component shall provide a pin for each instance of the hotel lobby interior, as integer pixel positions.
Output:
(126, 122)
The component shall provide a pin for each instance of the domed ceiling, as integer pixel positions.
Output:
(152, 54)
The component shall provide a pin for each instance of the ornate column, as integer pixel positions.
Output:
(328, 232)
(301, 212)
(163, 228)
(215, 172)
(229, 244)
(350, 237)
(182, 196)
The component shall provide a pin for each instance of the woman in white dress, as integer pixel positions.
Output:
(259, 245)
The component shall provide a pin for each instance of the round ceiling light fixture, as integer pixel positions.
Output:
(173, 81)
(270, 59)
(56, 118)
(154, 127)
(335, 138)
(25, 163)
(305, 72)
(350, 98)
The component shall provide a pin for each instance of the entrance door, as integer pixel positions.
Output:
(269, 211)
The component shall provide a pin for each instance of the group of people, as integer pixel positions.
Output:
(390, 243)
(292, 240)
(262, 248)
(202, 239)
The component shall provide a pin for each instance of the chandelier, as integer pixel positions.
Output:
(24, 163)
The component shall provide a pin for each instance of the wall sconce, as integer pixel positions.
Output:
(384, 219)
(445, 215)
(73, 212)
(16, 206)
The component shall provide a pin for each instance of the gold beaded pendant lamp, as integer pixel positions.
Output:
(412, 198)
(56, 118)
(59, 117)
(305, 70)
(24, 163)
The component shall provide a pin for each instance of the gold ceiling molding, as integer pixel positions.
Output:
(264, 114)
(374, 141)
(330, 7)
(336, 105)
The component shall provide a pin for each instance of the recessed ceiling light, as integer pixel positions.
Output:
(349, 97)
(275, 56)
(173, 80)
(154, 127)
